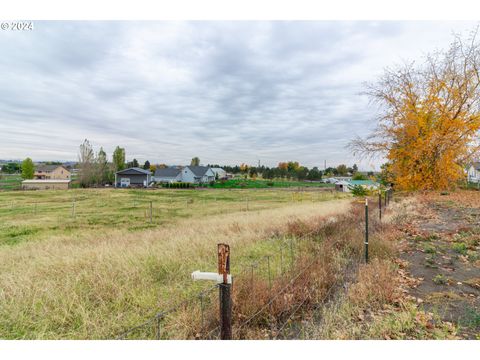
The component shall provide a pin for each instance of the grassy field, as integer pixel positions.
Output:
(10, 181)
(91, 272)
(261, 184)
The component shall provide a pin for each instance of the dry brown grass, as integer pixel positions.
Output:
(376, 285)
(94, 285)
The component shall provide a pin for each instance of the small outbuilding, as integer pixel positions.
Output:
(57, 184)
(133, 177)
(220, 174)
(346, 186)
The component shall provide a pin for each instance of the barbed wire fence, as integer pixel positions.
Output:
(275, 279)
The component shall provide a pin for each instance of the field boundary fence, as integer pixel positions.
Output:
(274, 275)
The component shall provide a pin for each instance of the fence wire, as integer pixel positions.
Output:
(205, 310)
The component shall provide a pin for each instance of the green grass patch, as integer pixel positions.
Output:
(262, 184)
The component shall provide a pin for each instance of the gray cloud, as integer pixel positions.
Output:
(227, 92)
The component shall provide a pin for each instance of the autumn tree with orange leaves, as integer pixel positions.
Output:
(428, 130)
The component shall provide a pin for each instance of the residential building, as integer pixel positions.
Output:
(188, 174)
(473, 172)
(167, 175)
(133, 177)
(220, 173)
(51, 172)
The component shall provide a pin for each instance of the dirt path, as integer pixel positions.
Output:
(442, 250)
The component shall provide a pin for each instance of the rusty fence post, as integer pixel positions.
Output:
(225, 295)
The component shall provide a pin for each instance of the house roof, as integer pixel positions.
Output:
(44, 167)
(216, 170)
(167, 172)
(198, 170)
(134, 170)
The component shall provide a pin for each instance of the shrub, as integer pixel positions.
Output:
(440, 279)
(177, 185)
(270, 183)
(460, 248)
(358, 190)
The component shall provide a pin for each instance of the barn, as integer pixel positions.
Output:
(133, 177)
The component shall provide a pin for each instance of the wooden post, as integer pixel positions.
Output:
(151, 210)
(225, 295)
(366, 230)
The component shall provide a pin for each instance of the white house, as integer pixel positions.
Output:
(220, 173)
(473, 172)
(197, 174)
(188, 174)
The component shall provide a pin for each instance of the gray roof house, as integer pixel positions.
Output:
(133, 177)
(197, 174)
(188, 174)
(169, 174)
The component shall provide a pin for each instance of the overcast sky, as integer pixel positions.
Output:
(227, 92)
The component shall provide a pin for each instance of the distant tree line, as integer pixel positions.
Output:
(294, 171)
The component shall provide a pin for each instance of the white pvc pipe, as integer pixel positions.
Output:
(198, 275)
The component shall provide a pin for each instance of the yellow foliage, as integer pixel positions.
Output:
(429, 131)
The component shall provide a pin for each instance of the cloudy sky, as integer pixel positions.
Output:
(227, 92)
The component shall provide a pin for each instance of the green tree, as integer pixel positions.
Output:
(359, 176)
(314, 174)
(11, 168)
(28, 169)
(302, 173)
(102, 168)
(86, 164)
(195, 161)
(119, 158)
(146, 166)
(342, 170)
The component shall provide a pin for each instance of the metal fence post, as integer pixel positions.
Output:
(380, 205)
(225, 295)
(366, 230)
